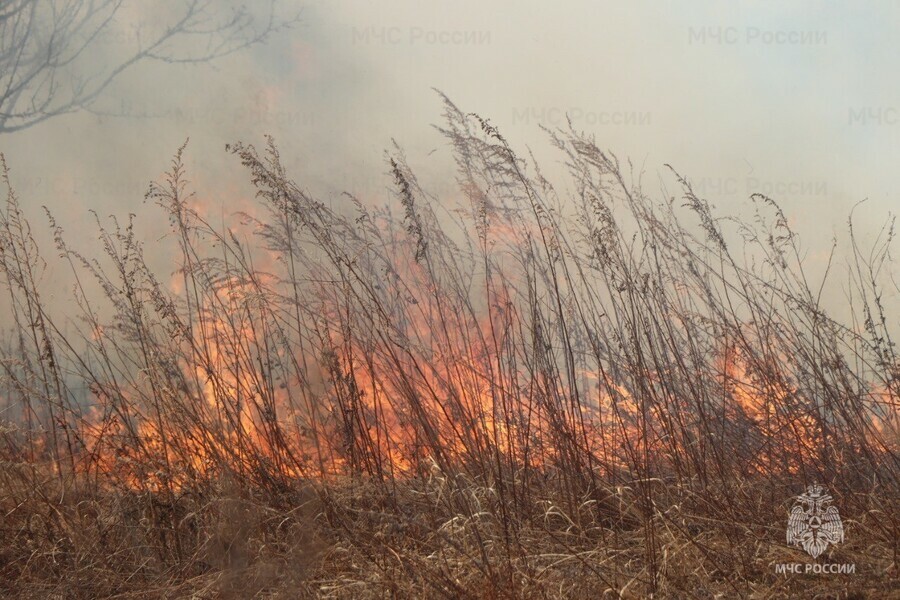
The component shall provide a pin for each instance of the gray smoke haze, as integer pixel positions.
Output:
(795, 100)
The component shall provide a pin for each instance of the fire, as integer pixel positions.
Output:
(323, 358)
(387, 391)
(777, 420)
(391, 391)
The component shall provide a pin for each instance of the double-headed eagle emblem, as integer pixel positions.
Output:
(813, 523)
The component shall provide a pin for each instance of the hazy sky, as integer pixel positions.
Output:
(799, 100)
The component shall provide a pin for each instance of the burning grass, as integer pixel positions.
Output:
(527, 393)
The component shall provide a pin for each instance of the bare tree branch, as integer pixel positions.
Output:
(50, 50)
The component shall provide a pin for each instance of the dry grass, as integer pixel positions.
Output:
(527, 394)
